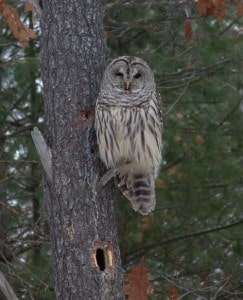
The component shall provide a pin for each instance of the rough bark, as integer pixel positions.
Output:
(82, 217)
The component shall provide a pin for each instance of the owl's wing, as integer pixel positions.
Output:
(159, 107)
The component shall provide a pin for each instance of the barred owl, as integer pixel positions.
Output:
(128, 125)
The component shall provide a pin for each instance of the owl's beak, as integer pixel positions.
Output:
(127, 85)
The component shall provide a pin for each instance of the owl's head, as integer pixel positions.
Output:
(128, 74)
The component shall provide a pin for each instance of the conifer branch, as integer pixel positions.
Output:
(141, 251)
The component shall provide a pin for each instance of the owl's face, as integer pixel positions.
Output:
(128, 75)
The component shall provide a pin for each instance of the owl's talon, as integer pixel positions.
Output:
(112, 172)
(107, 177)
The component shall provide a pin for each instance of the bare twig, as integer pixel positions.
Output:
(140, 252)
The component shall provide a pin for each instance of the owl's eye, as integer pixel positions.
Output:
(138, 75)
(120, 74)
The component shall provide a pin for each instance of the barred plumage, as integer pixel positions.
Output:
(129, 127)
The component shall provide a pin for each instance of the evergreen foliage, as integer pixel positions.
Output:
(193, 241)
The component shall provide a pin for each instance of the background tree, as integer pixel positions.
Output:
(192, 244)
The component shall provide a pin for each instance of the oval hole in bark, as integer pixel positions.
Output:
(87, 114)
(94, 149)
(100, 259)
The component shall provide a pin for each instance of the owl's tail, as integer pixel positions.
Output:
(139, 189)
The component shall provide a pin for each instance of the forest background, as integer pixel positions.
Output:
(192, 244)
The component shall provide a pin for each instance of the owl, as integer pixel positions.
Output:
(128, 124)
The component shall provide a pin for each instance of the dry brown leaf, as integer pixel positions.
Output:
(239, 11)
(189, 34)
(215, 8)
(3, 3)
(160, 184)
(18, 29)
(199, 140)
(179, 116)
(172, 170)
(138, 285)
(106, 34)
(173, 294)
(30, 8)
(178, 138)
(206, 7)
(155, 27)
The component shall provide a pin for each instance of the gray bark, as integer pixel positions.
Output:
(6, 288)
(43, 151)
(82, 216)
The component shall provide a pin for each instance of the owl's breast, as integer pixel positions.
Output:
(130, 135)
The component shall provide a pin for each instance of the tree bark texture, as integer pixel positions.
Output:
(82, 216)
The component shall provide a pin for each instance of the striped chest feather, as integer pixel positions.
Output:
(129, 135)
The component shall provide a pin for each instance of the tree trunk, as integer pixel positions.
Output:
(82, 216)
